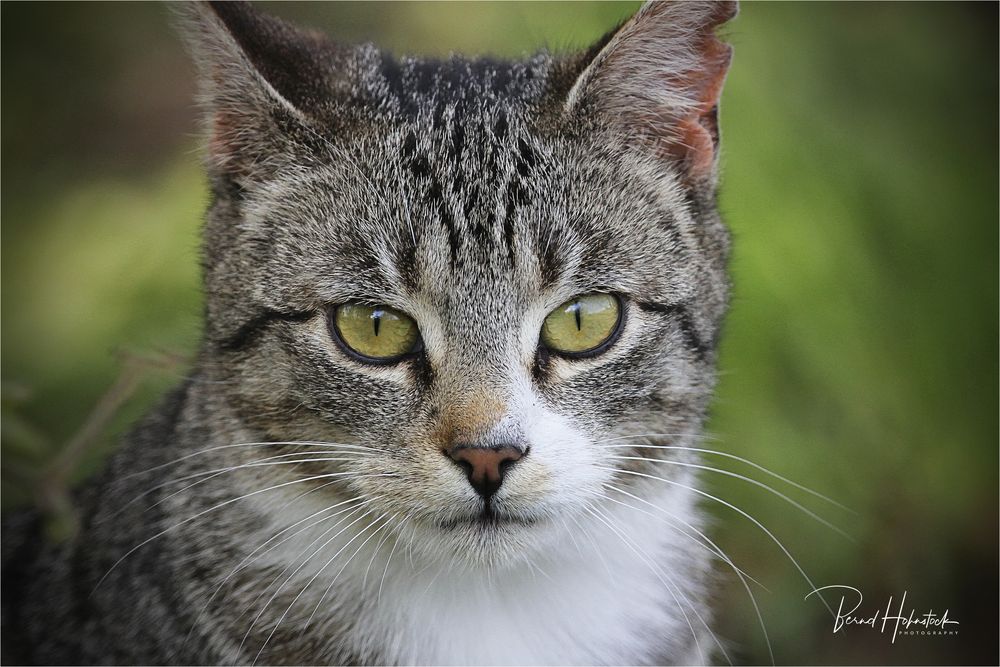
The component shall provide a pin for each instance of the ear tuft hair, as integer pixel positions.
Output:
(658, 80)
(258, 76)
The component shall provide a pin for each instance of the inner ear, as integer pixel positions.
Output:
(697, 133)
(265, 83)
(658, 81)
(298, 64)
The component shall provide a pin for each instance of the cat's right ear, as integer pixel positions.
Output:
(657, 81)
(263, 82)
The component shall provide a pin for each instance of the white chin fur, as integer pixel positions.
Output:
(577, 593)
(568, 604)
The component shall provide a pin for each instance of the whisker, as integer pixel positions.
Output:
(309, 583)
(535, 567)
(259, 463)
(385, 537)
(351, 511)
(689, 434)
(597, 550)
(667, 583)
(249, 557)
(740, 573)
(736, 509)
(292, 576)
(344, 566)
(744, 478)
(221, 505)
(212, 474)
(707, 544)
(437, 573)
(748, 462)
(572, 537)
(289, 443)
(388, 560)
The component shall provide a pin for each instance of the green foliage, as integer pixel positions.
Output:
(860, 357)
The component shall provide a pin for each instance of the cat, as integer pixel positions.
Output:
(459, 342)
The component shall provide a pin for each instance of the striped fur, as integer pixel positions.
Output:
(476, 196)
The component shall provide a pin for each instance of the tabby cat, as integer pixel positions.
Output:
(459, 342)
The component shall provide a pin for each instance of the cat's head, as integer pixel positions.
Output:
(477, 273)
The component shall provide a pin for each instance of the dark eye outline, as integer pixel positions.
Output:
(605, 345)
(331, 325)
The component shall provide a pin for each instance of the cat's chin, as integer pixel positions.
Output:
(493, 540)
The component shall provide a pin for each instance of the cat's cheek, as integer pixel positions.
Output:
(563, 468)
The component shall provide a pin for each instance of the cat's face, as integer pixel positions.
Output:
(468, 271)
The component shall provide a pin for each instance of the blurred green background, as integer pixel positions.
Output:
(860, 357)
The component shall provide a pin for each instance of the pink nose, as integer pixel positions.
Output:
(485, 466)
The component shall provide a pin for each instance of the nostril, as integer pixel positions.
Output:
(462, 463)
(508, 457)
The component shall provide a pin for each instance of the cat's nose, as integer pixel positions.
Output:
(485, 466)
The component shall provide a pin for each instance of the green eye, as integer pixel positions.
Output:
(376, 333)
(582, 324)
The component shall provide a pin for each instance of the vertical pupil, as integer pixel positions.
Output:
(576, 314)
(376, 320)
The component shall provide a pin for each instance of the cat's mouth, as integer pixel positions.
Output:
(487, 519)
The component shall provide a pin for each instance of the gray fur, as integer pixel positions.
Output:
(476, 196)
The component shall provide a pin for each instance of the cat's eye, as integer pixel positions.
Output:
(583, 326)
(376, 334)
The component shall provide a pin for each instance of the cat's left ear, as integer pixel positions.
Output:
(657, 81)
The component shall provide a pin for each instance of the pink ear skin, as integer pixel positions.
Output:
(260, 76)
(659, 79)
(223, 147)
(698, 133)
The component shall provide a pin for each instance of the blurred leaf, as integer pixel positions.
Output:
(860, 357)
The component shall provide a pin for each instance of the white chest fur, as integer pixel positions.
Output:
(630, 595)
